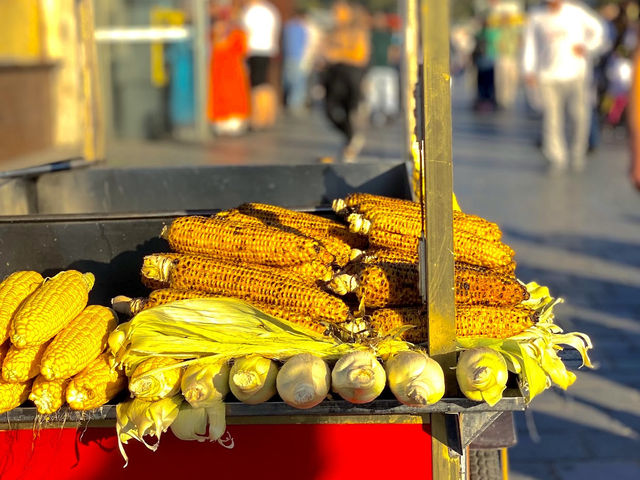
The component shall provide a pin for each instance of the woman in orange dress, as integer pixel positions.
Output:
(229, 106)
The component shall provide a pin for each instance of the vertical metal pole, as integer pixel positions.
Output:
(410, 73)
(200, 35)
(438, 222)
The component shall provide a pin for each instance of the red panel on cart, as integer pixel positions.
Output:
(264, 452)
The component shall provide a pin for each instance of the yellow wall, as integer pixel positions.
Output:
(20, 30)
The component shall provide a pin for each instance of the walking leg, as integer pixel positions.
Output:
(553, 143)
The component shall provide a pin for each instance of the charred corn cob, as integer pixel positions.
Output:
(13, 395)
(247, 283)
(387, 284)
(22, 364)
(378, 255)
(95, 385)
(51, 308)
(13, 291)
(313, 225)
(48, 395)
(364, 202)
(78, 343)
(155, 379)
(242, 241)
(340, 250)
(405, 223)
(471, 321)
(467, 247)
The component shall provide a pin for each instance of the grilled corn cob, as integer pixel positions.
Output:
(51, 308)
(95, 385)
(471, 321)
(467, 247)
(149, 383)
(387, 284)
(364, 202)
(48, 395)
(13, 395)
(13, 291)
(22, 364)
(78, 343)
(392, 220)
(242, 241)
(247, 283)
(340, 250)
(313, 225)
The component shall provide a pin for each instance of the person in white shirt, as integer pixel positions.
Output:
(560, 37)
(261, 21)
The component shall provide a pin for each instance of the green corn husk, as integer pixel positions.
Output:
(533, 354)
(223, 329)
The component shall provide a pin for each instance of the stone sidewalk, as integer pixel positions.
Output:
(578, 233)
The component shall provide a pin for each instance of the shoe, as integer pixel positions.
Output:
(352, 149)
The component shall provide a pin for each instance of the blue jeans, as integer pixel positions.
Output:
(295, 79)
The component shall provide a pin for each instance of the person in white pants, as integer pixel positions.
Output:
(560, 37)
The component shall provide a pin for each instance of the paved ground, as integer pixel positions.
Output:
(579, 233)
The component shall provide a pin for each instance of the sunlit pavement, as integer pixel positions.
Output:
(578, 233)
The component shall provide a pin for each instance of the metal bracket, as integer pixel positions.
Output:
(473, 424)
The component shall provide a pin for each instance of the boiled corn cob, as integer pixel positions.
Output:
(467, 247)
(240, 241)
(392, 220)
(247, 283)
(48, 395)
(51, 308)
(313, 225)
(78, 343)
(471, 321)
(13, 395)
(13, 291)
(150, 383)
(95, 385)
(22, 364)
(387, 284)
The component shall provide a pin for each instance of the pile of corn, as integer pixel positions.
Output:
(276, 259)
(52, 345)
(319, 273)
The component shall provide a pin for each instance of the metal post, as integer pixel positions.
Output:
(438, 222)
(410, 72)
(200, 32)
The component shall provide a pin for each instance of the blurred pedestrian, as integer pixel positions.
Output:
(229, 107)
(484, 59)
(261, 21)
(347, 56)
(382, 80)
(296, 42)
(507, 55)
(634, 123)
(560, 37)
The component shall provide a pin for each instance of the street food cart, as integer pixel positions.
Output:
(335, 439)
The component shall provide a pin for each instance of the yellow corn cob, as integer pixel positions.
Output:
(241, 241)
(471, 321)
(22, 364)
(13, 395)
(95, 385)
(51, 308)
(78, 343)
(364, 202)
(313, 225)
(467, 247)
(13, 291)
(149, 383)
(247, 283)
(395, 284)
(48, 395)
